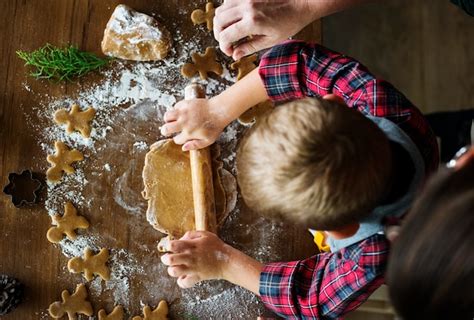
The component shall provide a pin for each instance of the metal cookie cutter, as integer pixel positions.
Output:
(23, 188)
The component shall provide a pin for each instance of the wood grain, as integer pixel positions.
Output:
(24, 251)
(201, 174)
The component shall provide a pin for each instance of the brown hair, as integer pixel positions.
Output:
(431, 266)
(314, 161)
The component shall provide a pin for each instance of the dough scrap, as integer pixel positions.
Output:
(76, 120)
(91, 264)
(199, 16)
(61, 161)
(116, 314)
(203, 64)
(252, 115)
(168, 189)
(132, 35)
(244, 66)
(66, 224)
(72, 305)
(160, 313)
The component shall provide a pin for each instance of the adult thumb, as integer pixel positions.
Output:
(252, 45)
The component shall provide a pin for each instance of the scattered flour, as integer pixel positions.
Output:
(138, 91)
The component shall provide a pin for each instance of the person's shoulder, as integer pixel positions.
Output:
(371, 252)
(466, 5)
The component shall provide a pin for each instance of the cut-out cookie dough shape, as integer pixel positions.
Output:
(61, 161)
(199, 16)
(203, 64)
(91, 264)
(132, 35)
(160, 313)
(244, 66)
(66, 224)
(72, 305)
(116, 314)
(167, 177)
(76, 120)
(252, 115)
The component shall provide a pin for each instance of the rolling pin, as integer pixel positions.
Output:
(201, 174)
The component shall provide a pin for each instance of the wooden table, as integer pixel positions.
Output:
(24, 251)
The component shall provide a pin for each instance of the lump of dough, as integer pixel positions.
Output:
(132, 35)
(168, 189)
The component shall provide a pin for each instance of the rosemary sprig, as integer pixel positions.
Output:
(62, 64)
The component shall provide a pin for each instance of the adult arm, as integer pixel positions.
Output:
(268, 22)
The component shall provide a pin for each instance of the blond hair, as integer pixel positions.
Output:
(316, 162)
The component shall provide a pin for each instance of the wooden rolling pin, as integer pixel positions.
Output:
(201, 173)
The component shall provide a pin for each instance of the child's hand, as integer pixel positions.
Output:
(199, 123)
(197, 256)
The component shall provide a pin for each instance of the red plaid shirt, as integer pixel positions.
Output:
(329, 285)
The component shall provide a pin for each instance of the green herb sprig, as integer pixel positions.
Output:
(62, 64)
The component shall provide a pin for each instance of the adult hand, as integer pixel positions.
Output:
(262, 23)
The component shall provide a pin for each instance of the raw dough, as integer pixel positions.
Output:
(66, 224)
(116, 314)
(244, 66)
(61, 161)
(168, 189)
(91, 264)
(198, 16)
(76, 120)
(160, 313)
(72, 305)
(203, 64)
(253, 114)
(135, 36)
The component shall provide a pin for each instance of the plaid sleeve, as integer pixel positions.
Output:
(295, 69)
(327, 285)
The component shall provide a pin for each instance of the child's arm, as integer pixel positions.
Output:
(201, 255)
(200, 121)
(323, 286)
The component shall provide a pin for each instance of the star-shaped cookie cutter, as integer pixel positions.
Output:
(23, 188)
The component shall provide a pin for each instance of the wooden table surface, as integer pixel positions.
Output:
(25, 252)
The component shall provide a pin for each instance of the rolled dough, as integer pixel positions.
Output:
(168, 189)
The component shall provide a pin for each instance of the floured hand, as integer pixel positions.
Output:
(201, 255)
(197, 256)
(198, 123)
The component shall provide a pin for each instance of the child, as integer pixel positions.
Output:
(434, 279)
(341, 161)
